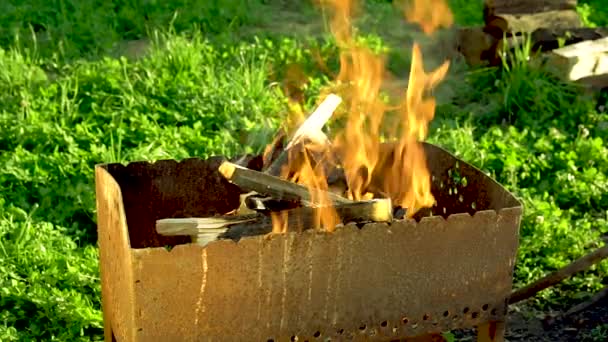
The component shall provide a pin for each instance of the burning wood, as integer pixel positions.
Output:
(204, 230)
(275, 187)
(308, 134)
(314, 181)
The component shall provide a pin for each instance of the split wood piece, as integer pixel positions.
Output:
(585, 62)
(272, 186)
(201, 230)
(596, 298)
(578, 265)
(310, 131)
(336, 182)
(313, 125)
(494, 7)
(193, 225)
(509, 16)
(480, 48)
(547, 39)
(303, 218)
(511, 24)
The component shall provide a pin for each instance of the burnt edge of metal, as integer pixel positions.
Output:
(193, 187)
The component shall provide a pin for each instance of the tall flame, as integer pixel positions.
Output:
(401, 173)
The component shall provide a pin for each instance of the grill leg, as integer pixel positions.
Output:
(491, 332)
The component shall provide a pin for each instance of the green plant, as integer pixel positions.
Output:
(593, 12)
(598, 334)
(50, 287)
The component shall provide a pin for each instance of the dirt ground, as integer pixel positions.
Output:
(527, 325)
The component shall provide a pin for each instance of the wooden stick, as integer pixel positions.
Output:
(272, 186)
(576, 266)
(310, 129)
(314, 123)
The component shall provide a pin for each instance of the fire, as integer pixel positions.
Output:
(429, 14)
(401, 173)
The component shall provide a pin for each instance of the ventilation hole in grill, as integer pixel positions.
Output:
(384, 324)
(405, 320)
(473, 205)
(494, 312)
(485, 307)
(475, 314)
(340, 331)
(363, 327)
(455, 318)
(446, 313)
(465, 311)
(426, 317)
(317, 334)
(270, 340)
(294, 338)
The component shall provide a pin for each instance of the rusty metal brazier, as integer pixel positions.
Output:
(449, 268)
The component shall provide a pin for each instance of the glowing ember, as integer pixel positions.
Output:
(402, 175)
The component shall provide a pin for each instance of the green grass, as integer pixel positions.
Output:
(209, 86)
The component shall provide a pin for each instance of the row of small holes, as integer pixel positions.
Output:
(405, 320)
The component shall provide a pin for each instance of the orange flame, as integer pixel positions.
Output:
(429, 14)
(401, 173)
